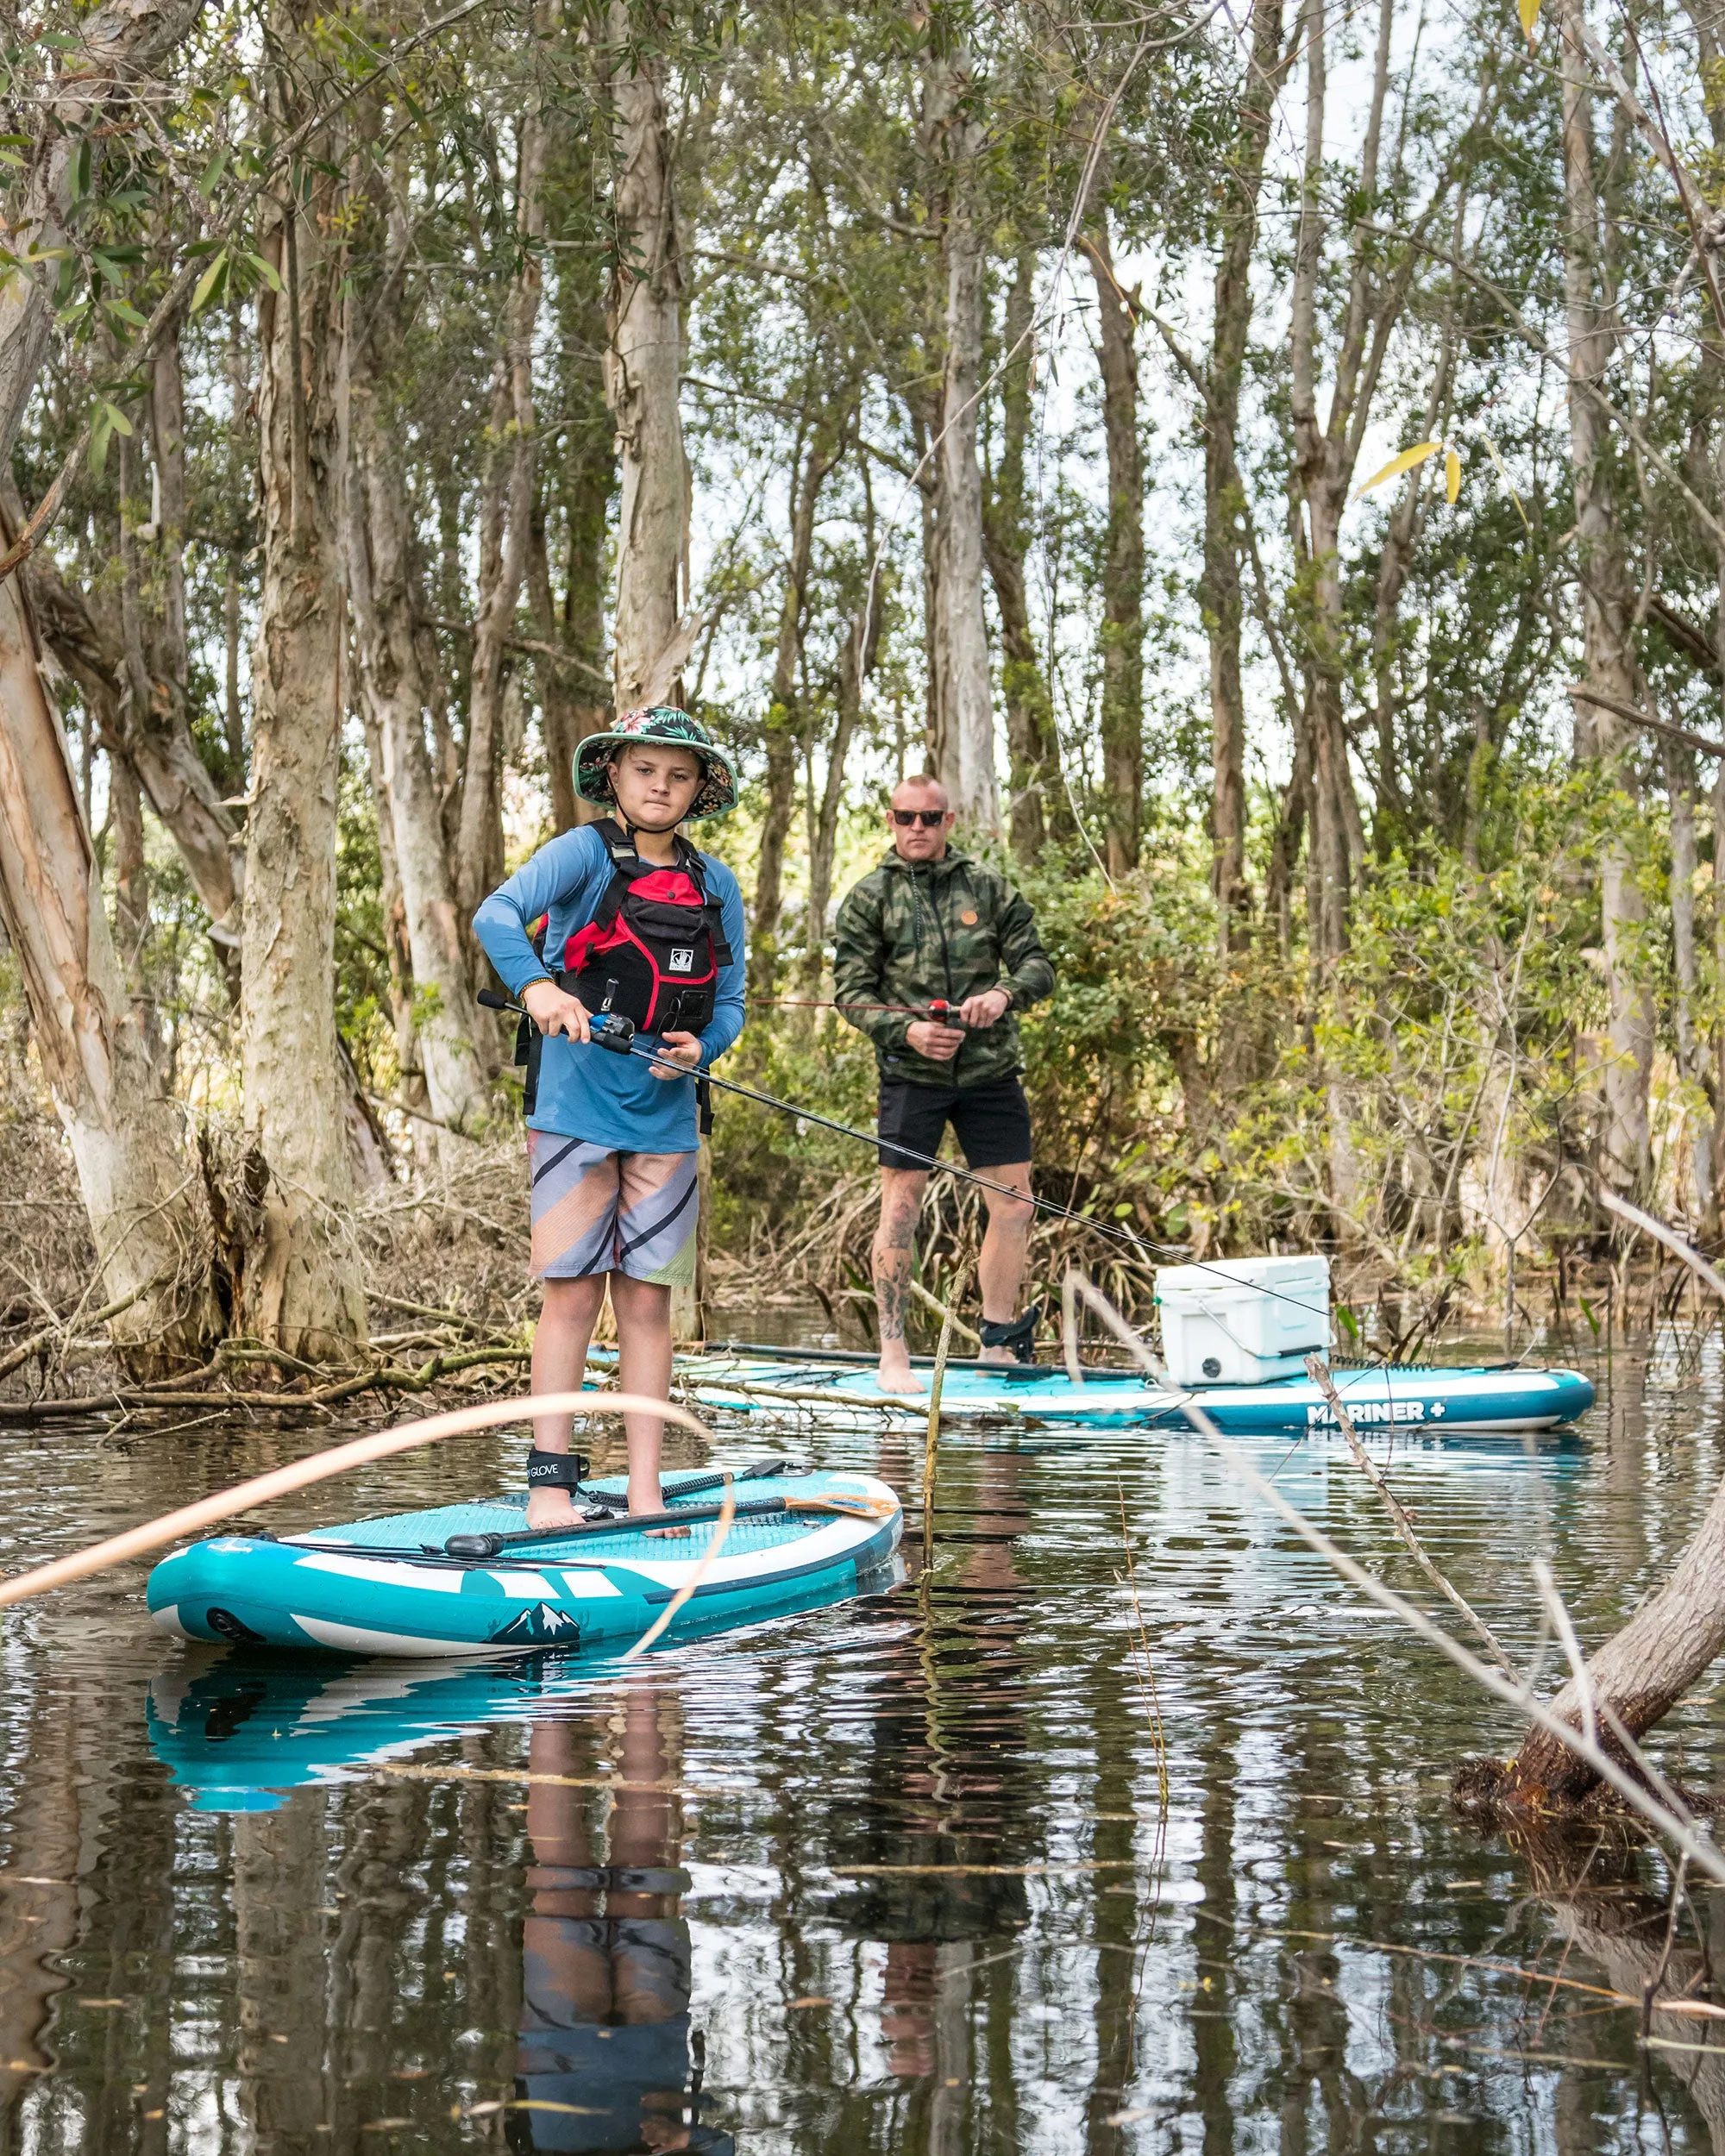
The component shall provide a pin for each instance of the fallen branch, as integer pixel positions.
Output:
(23, 1349)
(946, 1316)
(318, 1467)
(383, 1377)
(1660, 1233)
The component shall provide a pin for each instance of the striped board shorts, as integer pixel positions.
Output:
(595, 1211)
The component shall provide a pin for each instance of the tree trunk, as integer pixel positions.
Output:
(138, 1189)
(1639, 1674)
(302, 1289)
(507, 528)
(384, 593)
(856, 664)
(959, 653)
(179, 788)
(643, 367)
(785, 721)
(1123, 565)
(167, 517)
(1691, 1046)
(1037, 788)
(1606, 607)
(1224, 488)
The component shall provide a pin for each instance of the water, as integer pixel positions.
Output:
(949, 1868)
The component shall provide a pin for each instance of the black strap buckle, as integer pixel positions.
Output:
(1017, 1333)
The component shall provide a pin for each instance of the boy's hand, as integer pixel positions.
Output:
(684, 1049)
(552, 1012)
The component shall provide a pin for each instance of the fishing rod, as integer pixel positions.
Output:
(611, 1030)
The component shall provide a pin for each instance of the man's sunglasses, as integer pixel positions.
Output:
(927, 818)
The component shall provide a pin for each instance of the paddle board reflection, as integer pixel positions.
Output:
(607, 2057)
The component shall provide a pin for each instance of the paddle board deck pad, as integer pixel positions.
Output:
(390, 1587)
(1378, 1398)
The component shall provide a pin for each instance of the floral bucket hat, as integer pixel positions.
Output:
(663, 722)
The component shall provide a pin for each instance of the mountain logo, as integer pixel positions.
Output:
(544, 1625)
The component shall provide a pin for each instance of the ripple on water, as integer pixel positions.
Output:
(1020, 1857)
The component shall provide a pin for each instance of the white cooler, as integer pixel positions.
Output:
(1243, 1320)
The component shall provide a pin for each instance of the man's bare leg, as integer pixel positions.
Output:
(1000, 1267)
(894, 1251)
(567, 1318)
(643, 1365)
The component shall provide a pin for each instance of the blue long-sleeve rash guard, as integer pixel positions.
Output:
(586, 1091)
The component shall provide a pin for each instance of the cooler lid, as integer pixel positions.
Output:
(1302, 1277)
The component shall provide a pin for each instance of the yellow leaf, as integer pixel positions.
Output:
(1528, 10)
(1397, 466)
(206, 283)
(1497, 462)
(1451, 476)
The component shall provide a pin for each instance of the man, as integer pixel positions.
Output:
(929, 924)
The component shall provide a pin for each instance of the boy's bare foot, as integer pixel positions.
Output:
(548, 1508)
(895, 1374)
(667, 1534)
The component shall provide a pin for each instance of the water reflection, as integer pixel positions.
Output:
(605, 2060)
(887, 1877)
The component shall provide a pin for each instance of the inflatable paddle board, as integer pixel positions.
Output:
(1378, 1397)
(464, 1579)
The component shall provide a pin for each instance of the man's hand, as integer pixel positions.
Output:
(552, 1012)
(988, 1008)
(940, 1043)
(684, 1049)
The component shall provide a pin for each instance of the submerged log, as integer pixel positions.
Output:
(1632, 1681)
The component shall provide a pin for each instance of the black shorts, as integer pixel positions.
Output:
(991, 1122)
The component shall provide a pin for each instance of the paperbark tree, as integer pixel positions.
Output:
(963, 739)
(145, 1221)
(301, 1289)
(1123, 564)
(1607, 611)
(384, 594)
(1036, 786)
(785, 717)
(643, 365)
(505, 531)
(138, 1187)
(1225, 495)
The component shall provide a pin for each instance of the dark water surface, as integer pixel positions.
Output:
(969, 1864)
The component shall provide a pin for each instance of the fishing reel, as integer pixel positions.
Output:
(610, 1029)
(941, 1013)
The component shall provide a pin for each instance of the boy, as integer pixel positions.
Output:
(641, 926)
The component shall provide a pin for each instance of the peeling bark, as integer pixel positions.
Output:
(1123, 564)
(384, 594)
(643, 360)
(137, 1187)
(1037, 790)
(958, 653)
(1607, 611)
(302, 1289)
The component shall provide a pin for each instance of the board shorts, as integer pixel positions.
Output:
(991, 1122)
(596, 1210)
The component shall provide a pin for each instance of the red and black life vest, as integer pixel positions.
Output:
(653, 949)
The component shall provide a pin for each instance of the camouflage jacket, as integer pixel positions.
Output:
(911, 932)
